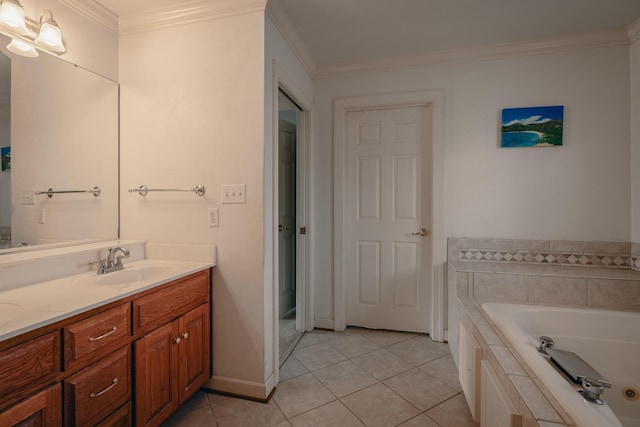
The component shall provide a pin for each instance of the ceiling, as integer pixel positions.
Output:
(344, 31)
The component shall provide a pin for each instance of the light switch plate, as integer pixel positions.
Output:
(236, 193)
(212, 217)
(41, 216)
(28, 197)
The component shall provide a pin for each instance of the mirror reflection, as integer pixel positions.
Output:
(59, 131)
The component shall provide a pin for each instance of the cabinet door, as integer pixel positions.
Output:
(497, 408)
(40, 410)
(156, 367)
(194, 350)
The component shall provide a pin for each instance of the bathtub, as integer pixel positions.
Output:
(608, 340)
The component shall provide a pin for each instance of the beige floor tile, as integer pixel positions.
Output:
(382, 364)
(453, 413)
(421, 389)
(191, 417)
(234, 412)
(419, 350)
(379, 406)
(301, 394)
(420, 421)
(312, 338)
(353, 345)
(283, 424)
(215, 398)
(385, 338)
(292, 368)
(318, 356)
(344, 378)
(445, 370)
(333, 414)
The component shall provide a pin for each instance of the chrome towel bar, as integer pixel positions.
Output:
(95, 191)
(143, 190)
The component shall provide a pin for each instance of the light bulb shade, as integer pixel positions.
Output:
(12, 17)
(50, 36)
(23, 49)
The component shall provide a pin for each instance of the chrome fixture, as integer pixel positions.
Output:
(577, 370)
(95, 191)
(112, 262)
(143, 190)
(24, 40)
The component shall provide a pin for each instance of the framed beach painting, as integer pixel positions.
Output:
(532, 127)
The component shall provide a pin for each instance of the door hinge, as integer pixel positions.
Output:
(303, 230)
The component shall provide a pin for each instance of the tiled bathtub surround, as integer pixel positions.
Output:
(541, 272)
(635, 256)
(553, 252)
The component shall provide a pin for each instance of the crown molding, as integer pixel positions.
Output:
(481, 53)
(188, 13)
(284, 24)
(94, 12)
(634, 31)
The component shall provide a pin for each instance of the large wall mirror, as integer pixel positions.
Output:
(59, 131)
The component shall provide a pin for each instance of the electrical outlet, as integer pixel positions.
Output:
(41, 216)
(234, 193)
(212, 217)
(28, 197)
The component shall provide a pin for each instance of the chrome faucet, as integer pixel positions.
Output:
(112, 262)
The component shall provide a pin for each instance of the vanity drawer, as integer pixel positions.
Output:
(89, 338)
(168, 303)
(29, 366)
(96, 391)
(120, 418)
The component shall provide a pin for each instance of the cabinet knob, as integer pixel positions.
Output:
(185, 335)
(177, 341)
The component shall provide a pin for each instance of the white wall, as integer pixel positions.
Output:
(192, 112)
(635, 141)
(279, 59)
(579, 191)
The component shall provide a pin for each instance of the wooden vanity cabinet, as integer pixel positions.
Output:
(41, 409)
(83, 371)
(172, 360)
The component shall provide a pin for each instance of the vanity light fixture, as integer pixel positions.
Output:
(50, 36)
(24, 40)
(12, 17)
(21, 48)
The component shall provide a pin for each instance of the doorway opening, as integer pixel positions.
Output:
(289, 118)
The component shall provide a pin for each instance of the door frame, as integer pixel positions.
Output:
(341, 106)
(304, 291)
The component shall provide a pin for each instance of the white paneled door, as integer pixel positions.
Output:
(388, 204)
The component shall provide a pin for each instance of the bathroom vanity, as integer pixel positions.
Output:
(132, 357)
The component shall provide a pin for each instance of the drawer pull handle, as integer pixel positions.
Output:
(185, 335)
(106, 334)
(112, 385)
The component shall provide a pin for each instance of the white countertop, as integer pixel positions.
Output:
(30, 307)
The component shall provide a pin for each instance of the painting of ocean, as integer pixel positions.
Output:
(532, 126)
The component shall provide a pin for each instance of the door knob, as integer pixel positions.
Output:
(282, 228)
(422, 232)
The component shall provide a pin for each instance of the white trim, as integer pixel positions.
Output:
(435, 98)
(304, 293)
(94, 12)
(187, 13)
(633, 31)
(474, 54)
(284, 24)
(252, 389)
(323, 323)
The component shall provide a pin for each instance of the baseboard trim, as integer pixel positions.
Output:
(246, 389)
(323, 323)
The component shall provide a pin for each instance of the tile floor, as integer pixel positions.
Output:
(359, 377)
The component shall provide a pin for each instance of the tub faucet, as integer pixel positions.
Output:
(112, 262)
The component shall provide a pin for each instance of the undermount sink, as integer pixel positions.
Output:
(8, 311)
(135, 274)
